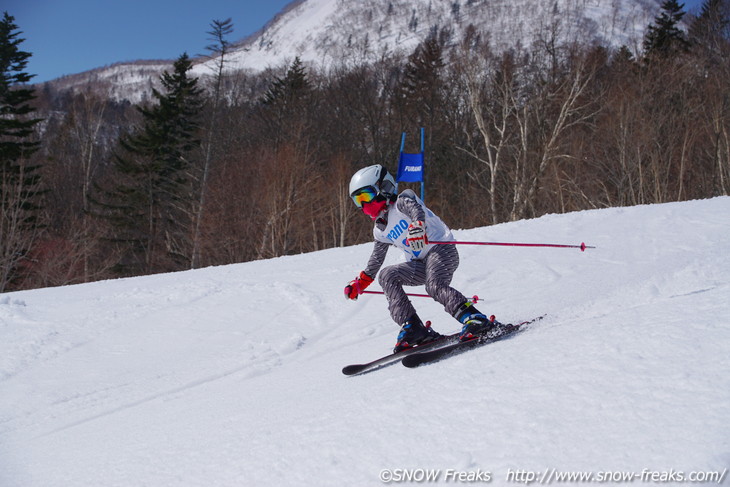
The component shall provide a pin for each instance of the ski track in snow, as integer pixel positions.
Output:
(230, 375)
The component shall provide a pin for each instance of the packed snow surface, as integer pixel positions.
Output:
(231, 376)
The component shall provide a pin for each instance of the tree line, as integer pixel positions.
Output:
(236, 166)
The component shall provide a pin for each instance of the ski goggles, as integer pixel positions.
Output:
(364, 195)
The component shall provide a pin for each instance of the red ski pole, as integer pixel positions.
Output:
(582, 246)
(473, 299)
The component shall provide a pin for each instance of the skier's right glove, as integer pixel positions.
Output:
(357, 286)
(417, 239)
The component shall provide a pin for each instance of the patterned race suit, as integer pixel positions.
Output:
(433, 267)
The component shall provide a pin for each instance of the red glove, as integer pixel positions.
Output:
(357, 286)
(417, 239)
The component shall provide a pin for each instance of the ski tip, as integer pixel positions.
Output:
(411, 361)
(352, 369)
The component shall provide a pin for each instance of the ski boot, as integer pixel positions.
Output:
(414, 333)
(475, 323)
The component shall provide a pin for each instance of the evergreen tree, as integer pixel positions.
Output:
(283, 104)
(664, 37)
(19, 179)
(419, 101)
(219, 49)
(150, 204)
(710, 31)
(623, 56)
(422, 84)
(285, 91)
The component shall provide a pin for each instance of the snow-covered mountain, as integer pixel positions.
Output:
(326, 33)
(230, 376)
(332, 32)
(122, 81)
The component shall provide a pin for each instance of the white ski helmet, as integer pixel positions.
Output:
(375, 176)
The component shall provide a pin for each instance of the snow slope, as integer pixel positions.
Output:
(230, 376)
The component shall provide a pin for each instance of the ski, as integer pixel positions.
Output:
(421, 357)
(381, 362)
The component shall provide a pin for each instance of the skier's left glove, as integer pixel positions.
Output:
(357, 286)
(417, 239)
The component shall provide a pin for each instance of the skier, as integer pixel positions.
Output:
(405, 222)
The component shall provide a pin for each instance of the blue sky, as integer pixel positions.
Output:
(71, 36)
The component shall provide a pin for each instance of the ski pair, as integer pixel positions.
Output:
(430, 352)
(427, 356)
